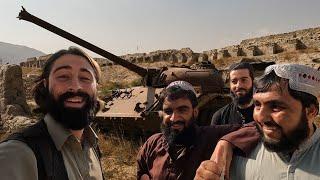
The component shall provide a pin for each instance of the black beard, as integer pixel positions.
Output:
(242, 100)
(71, 118)
(291, 142)
(174, 137)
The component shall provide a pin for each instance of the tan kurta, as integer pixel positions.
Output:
(263, 164)
(17, 160)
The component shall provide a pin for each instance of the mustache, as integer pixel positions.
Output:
(241, 89)
(179, 122)
(271, 124)
(67, 95)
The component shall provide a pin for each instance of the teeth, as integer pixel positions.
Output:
(75, 99)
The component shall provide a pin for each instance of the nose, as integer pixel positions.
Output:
(75, 85)
(261, 114)
(174, 116)
(239, 84)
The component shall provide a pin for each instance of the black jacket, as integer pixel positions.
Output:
(50, 163)
(230, 114)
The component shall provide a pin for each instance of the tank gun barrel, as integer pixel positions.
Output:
(24, 15)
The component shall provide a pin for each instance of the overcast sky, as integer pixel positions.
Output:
(129, 26)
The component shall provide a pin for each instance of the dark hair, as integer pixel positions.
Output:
(264, 83)
(175, 92)
(40, 91)
(242, 65)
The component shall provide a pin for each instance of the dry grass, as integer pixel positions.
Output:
(27, 70)
(3, 136)
(118, 156)
(225, 62)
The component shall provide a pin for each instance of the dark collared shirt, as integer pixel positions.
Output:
(232, 114)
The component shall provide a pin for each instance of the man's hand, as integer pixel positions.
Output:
(208, 170)
(144, 177)
(219, 164)
(222, 155)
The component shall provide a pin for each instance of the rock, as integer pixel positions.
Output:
(12, 97)
(18, 123)
(203, 57)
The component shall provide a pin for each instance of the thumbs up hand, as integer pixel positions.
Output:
(218, 166)
(222, 155)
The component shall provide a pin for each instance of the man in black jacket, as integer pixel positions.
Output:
(62, 145)
(240, 110)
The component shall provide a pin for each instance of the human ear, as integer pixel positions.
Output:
(45, 82)
(195, 112)
(311, 112)
(160, 113)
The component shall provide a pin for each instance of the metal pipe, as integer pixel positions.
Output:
(24, 15)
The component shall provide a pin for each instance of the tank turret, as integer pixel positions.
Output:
(136, 109)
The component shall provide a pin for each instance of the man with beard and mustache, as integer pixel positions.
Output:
(286, 106)
(62, 145)
(178, 150)
(240, 110)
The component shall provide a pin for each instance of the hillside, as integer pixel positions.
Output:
(14, 54)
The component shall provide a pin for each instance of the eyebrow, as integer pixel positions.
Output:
(180, 107)
(239, 78)
(62, 67)
(85, 70)
(273, 102)
(69, 67)
(276, 102)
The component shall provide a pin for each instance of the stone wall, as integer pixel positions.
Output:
(185, 55)
(267, 45)
(13, 106)
(38, 62)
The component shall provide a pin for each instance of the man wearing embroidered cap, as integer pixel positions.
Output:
(178, 150)
(62, 145)
(285, 109)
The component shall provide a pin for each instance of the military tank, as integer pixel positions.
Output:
(135, 110)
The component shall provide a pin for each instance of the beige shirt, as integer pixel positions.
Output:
(17, 160)
(263, 164)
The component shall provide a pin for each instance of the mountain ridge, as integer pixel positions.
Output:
(14, 53)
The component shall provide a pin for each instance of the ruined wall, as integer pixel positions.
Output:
(38, 62)
(185, 55)
(13, 106)
(267, 45)
(273, 44)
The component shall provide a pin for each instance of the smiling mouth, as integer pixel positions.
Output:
(241, 91)
(177, 125)
(271, 132)
(75, 101)
(270, 128)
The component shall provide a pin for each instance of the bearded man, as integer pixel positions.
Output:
(286, 107)
(62, 145)
(240, 110)
(178, 150)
